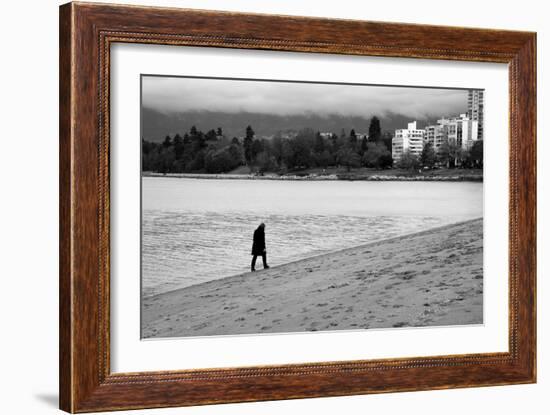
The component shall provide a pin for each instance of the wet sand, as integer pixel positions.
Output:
(431, 278)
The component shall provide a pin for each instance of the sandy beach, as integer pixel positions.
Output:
(431, 278)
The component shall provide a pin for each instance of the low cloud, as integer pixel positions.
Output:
(172, 95)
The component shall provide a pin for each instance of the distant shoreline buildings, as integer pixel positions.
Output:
(409, 140)
(475, 109)
(462, 130)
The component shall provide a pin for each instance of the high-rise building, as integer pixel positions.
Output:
(475, 109)
(461, 130)
(436, 135)
(407, 140)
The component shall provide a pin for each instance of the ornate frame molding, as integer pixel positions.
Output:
(86, 34)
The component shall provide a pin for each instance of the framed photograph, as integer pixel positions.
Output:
(258, 207)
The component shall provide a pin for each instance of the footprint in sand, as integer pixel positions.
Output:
(390, 286)
(406, 275)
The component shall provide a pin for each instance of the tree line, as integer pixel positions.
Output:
(449, 155)
(213, 152)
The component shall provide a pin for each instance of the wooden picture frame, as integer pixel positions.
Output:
(86, 33)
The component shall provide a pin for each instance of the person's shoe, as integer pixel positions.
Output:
(266, 267)
(252, 270)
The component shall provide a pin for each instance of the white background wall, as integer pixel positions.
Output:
(28, 207)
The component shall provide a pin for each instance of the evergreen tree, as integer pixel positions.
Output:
(247, 144)
(178, 146)
(375, 132)
(199, 142)
(167, 141)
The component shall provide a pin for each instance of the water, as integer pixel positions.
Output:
(196, 230)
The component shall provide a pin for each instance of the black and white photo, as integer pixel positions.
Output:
(276, 206)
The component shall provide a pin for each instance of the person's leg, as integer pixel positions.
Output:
(253, 264)
(264, 259)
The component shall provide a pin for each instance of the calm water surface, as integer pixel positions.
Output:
(196, 230)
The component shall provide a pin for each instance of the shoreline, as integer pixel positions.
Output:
(337, 251)
(294, 297)
(318, 177)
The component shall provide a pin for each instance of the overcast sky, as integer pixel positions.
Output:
(167, 94)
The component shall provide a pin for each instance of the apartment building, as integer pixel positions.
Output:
(475, 109)
(410, 140)
(460, 130)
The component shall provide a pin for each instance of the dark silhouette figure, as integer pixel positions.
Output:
(258, 247)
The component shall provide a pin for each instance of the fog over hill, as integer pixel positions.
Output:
(156, 125)
(173, 105)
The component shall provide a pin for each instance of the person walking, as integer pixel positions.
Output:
(258, 247)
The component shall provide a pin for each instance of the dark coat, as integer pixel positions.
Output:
(258, 246)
